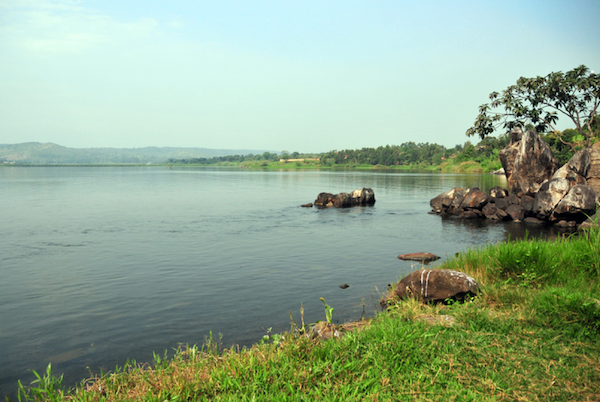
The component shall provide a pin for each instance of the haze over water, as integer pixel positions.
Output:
(101, 265)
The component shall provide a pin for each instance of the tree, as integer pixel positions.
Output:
(539, 102)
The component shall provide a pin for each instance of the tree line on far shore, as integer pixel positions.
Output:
(485, 153)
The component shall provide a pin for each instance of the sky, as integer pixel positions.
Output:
(306, 76)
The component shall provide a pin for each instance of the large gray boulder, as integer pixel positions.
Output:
(436, 285)
(534, 164)
(577, 205)
(549, 196)
(577, 169)
(593, 175)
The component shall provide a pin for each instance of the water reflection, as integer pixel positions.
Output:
(508, 231)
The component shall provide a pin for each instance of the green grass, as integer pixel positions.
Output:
(532, 335)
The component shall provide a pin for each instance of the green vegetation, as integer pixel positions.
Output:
(468, 158)
(532, 334)
(537, 102)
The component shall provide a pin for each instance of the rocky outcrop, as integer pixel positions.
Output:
(436, 285)
(538, 192)
(533, 164)
(360, 197)
(556, 201)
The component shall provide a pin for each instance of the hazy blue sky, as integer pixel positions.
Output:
(307, 76)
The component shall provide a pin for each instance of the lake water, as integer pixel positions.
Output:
(101, 265)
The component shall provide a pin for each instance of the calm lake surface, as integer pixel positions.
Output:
(100, 265)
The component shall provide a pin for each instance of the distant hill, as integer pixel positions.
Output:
(48, 153)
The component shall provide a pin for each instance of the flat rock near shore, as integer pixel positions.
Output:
(423, 257)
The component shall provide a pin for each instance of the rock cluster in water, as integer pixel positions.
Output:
(360, 197)
(538, 191)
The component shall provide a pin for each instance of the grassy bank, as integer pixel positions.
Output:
(533, 334)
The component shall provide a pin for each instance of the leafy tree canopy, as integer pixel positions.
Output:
(539, 101)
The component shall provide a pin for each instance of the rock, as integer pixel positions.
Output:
(576, 170)
(577, 205)
(534, 221)
(469, 215)
(533, 164)
(502, 215)
(459, 197)
(324, 330)
(344, 286)
(527, 203)
(513, 199)
(549, 196)
(364, 196)
(590, 222)
(324, 198)
(489, 210)
(501, 203)
(498, 192)
(499, 171)
(474, 198)
(342, 200)
(361, 197)
(423, 257)
(593, 176)
(516, 134)
(436, 285)
(309, 205)
(566, 224)
(515, 212)
(442, 202)
(507, 158)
